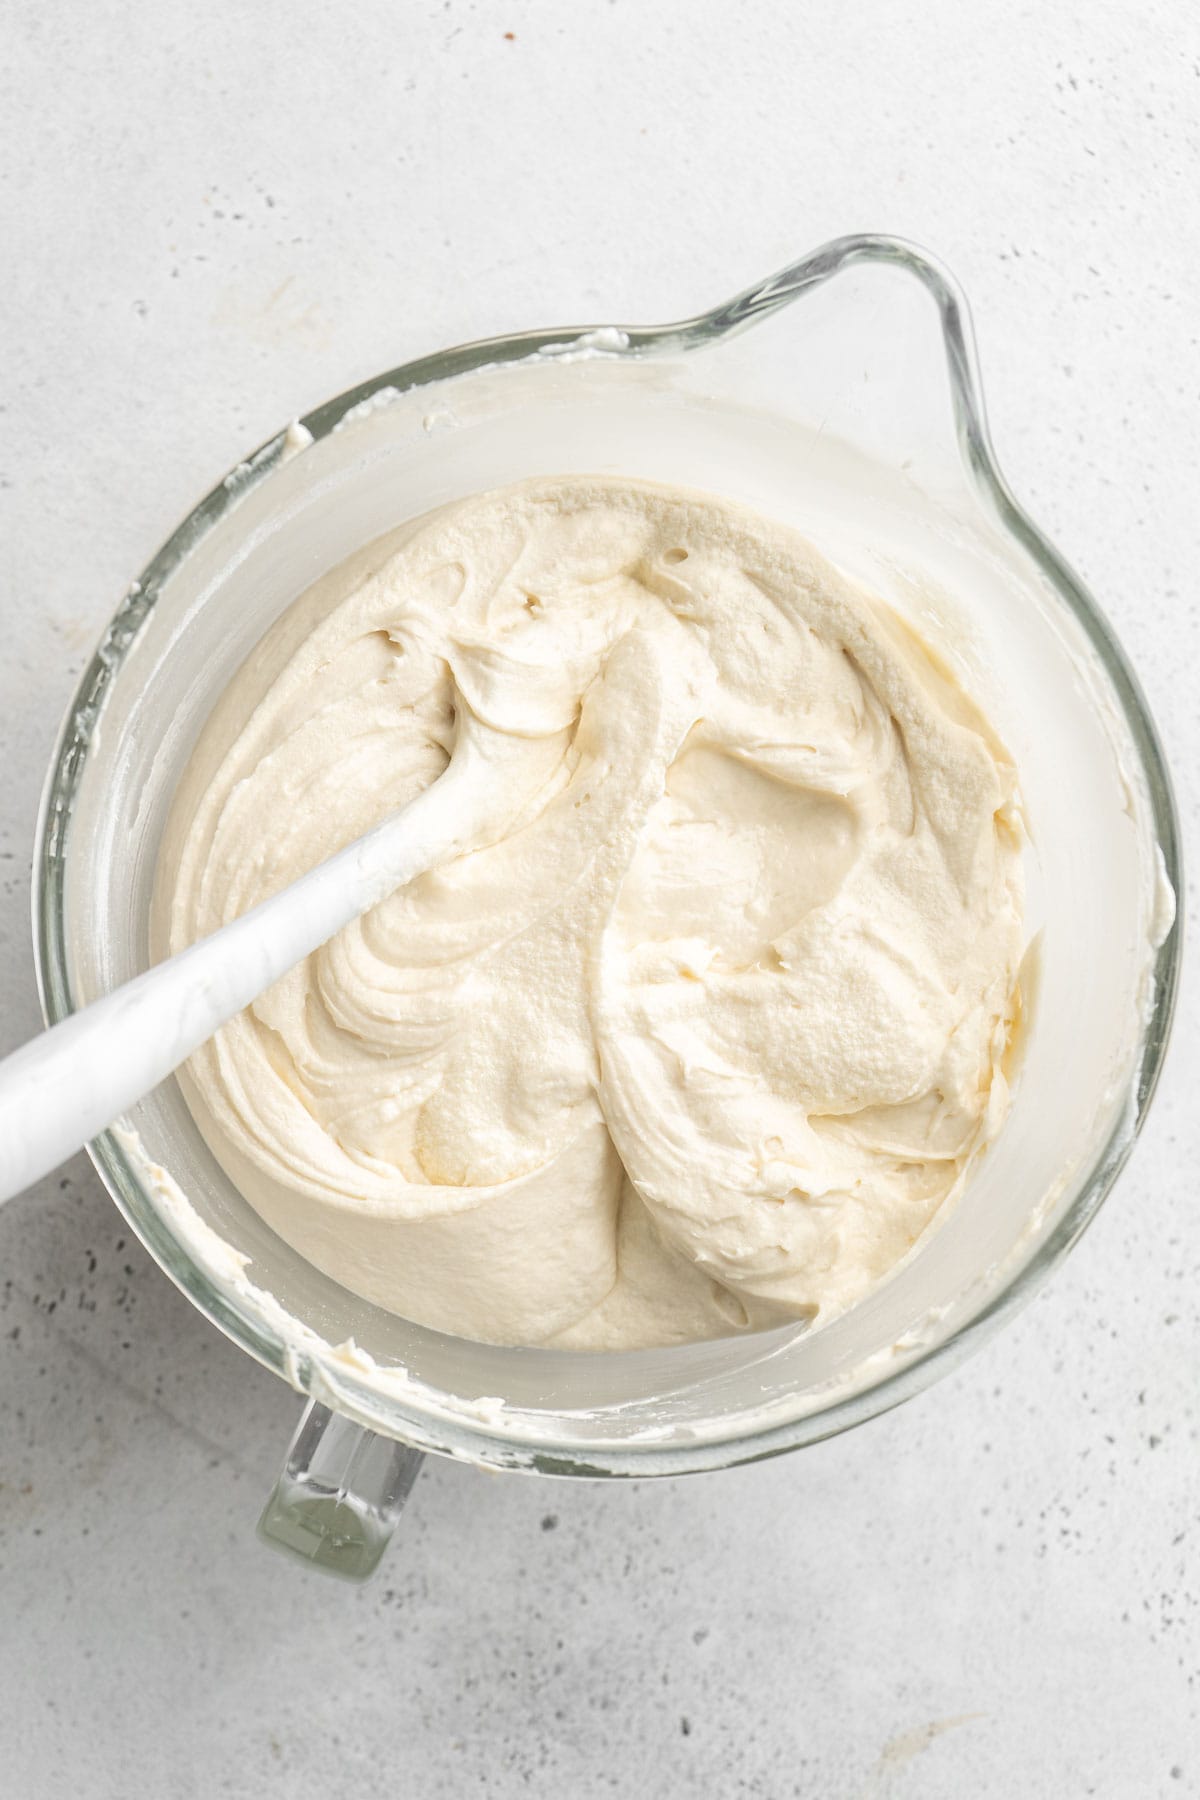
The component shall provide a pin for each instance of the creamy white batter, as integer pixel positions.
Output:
(701, 1036)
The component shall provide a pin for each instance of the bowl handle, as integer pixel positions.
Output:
(339, 1495)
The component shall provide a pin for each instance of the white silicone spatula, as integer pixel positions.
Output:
(63, 1087)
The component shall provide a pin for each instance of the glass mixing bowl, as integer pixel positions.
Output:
(841, 396)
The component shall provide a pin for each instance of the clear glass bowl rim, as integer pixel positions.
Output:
(450, 1432)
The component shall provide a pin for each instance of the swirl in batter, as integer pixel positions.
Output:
(705, 1030)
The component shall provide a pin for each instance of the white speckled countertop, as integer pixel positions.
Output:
(213, 218)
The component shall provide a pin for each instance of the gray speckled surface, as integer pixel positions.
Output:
(215, 216)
